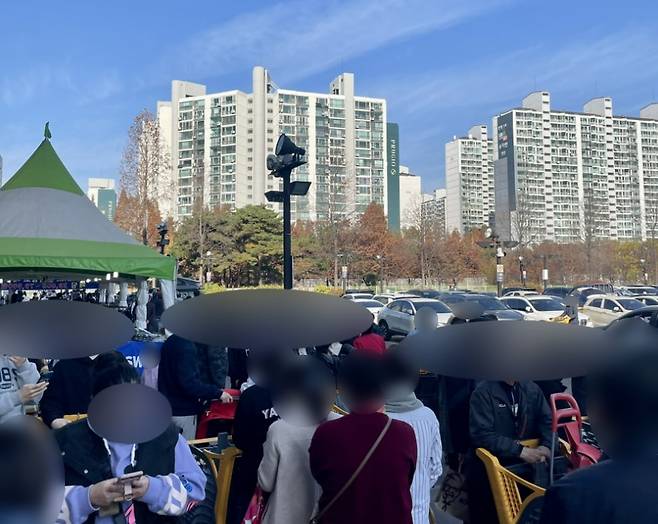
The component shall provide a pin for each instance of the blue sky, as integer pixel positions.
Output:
(443, 65)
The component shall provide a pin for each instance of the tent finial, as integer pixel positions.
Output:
(46, 131)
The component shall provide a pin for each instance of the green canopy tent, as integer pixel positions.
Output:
(49, 228)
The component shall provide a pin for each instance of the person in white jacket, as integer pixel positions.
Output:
(402, 404)
(18, 385)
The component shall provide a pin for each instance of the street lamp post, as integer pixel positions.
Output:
(522, 271)
(287, 156)
(645, 274)
(494, 242)
(381, 273)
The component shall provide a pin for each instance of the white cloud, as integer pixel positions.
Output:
(612, 64)
(297, 39)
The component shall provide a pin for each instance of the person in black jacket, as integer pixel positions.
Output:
(501, 414)
(623, 403)
(179, 380)
(68, 392)
(253, 417)
(213, 364)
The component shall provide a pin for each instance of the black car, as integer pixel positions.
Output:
(558, 291)
(491, 306)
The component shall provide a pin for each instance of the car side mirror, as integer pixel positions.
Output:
(528, 309)
(616, 309)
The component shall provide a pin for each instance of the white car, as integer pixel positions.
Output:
(521, 293)
(385, 298)
(398, 317)
(357, 296)
(603, 309)
(372, 305)
(541, 307)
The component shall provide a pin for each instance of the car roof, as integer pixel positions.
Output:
(360, 300)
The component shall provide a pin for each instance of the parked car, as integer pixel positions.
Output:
(584, 292)
(649, 314)
(490, 305)
(521, 293)
(558, 291)
(637, 291)
(385, 298)
(507, 290)
(603, 309)
(648, 300)
(350, 291)
(542, 307)
(398, 316)
(425, 293)
(374, 306)
(357, 296)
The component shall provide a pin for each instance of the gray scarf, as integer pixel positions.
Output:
(403, 404)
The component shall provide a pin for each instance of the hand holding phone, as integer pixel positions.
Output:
(126, 482)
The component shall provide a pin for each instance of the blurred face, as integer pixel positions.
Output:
(426, 319)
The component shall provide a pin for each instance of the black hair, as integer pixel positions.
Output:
(110, 369)
(400, 370)
(626, 393)
(362, 377)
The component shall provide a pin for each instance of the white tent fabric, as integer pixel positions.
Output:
(123, 294)
(142, 299)
(40, 212)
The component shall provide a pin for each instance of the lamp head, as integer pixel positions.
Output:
(285, 146)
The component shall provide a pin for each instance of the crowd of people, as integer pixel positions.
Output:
(375, 452)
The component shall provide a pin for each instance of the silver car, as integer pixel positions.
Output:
(398, 317)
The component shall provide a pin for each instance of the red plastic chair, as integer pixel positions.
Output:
(580, 454)
(217, 411)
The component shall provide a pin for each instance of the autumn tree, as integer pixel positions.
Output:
(129, 217)
(145, 163)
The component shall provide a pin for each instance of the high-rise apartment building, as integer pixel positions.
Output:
(411, 198)
(102, 193)
(469, 181)
(219, 143)
(565, 176)
(434, 209)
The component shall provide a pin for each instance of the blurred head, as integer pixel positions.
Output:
(303, 391)
(426, 319)
(264, 365)
(110, 369)
(362, 382)
(401, 376)
(623, 402)
(32, 485)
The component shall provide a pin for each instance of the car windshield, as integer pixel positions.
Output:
(439, 307)
(629, 304)
(546, 304)
(369, 303)
(488, 303)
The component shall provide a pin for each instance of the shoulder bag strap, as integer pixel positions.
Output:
(316, 519)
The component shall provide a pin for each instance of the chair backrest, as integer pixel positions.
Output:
(222, 467)
(505, 488)
(339, 410)
(75, 418)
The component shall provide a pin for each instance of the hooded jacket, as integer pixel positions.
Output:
(176, 481)
(12, 378)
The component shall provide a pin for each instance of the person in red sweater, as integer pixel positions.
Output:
(381, 490)
(370, 342)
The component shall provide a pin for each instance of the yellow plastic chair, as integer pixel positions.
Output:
(75, 418)
(505, 487)
(222, 468)
(339, 410)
